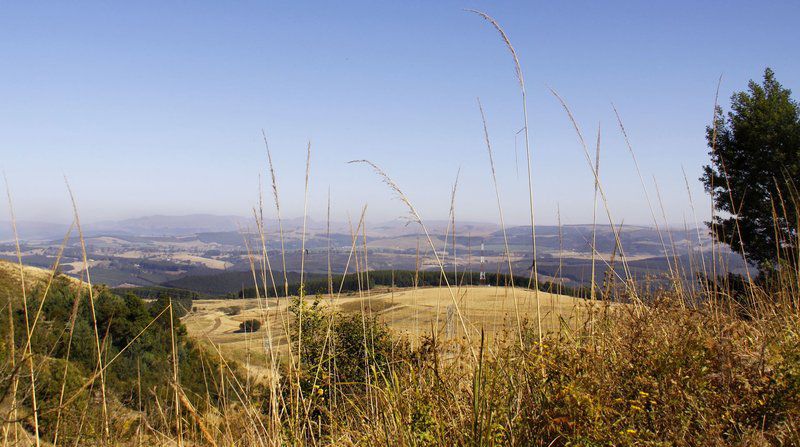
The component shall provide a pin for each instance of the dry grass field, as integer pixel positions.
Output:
(408, 312)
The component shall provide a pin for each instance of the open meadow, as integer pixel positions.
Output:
(409, 313)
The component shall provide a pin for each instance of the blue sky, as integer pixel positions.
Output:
(157, 108)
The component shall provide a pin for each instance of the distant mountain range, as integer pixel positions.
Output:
(213, 254)
(156, 225)
(190, 224)
(32, 230)
(161, 225)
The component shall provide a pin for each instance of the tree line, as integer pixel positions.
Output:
(364, 281)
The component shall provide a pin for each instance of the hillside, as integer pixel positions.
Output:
(139, 342)
(34, 276)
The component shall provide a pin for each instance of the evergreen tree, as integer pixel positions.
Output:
(754, 173)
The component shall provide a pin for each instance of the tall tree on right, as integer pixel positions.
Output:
(754, 173)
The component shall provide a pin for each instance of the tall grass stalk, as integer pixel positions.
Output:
(12, 413)
(503, 227)
(646, 194)
(303, 252)
(618, 242)
(27, 351)
(176, 384)
(52, 276)
(100, 367)
(594, 214)
(697, 228)
(278, 211)
(451, 224)
(534, 276)
(418, 219)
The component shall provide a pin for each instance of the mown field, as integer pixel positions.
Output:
(411, 313)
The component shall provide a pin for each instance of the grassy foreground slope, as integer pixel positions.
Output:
(659, 370)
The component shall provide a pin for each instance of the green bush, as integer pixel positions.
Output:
(232, 310)
(249, 326)
(345, 348)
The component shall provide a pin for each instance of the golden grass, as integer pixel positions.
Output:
(10, 282)
(408, 312)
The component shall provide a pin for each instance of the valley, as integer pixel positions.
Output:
(212, 256)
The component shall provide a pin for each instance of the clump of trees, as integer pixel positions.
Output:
(135, 337)
(251, 325)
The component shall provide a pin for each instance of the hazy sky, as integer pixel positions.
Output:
(158, 107)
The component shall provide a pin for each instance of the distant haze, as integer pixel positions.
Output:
(192, 224)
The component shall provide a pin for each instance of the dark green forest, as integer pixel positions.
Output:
(364, 281)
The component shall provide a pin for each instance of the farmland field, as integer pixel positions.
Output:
(409, 312)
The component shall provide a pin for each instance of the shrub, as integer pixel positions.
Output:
(232, 310)
(346, 348)
(252, 325)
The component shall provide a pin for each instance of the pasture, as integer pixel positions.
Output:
(412, 313)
